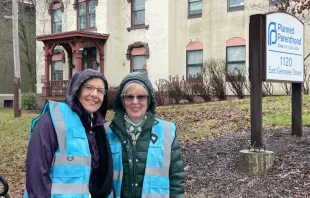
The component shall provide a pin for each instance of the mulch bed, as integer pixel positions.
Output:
(211, 166)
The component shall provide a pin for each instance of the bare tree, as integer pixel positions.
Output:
(27, 28)
(186, 85)
(27, 42)
(160, 92)
(305, 85)
(267, 89)
(247, 83)
(6, 61)
(174, 88)
(216, 72)
(236, 82)
(286, 88)
(298, 8)
(202, 85)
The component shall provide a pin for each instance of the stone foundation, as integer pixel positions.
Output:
(255, 161)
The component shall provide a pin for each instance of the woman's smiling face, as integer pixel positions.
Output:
(135, 101)
(92, 94)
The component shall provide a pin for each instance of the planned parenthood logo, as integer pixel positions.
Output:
(282, 33)
(272, 33)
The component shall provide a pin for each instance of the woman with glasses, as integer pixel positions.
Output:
(68, 153)
(147, 159)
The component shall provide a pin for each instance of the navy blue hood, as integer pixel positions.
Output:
(76, 83)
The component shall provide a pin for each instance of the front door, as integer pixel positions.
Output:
(89, 58)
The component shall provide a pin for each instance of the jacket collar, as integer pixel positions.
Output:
(119, 122)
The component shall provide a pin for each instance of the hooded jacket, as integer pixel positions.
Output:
(134, 156)
(43, 144)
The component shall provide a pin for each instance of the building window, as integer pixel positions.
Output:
(137, 48)
(89, 58)
(138, 63)
(234, 5)
(57, 70)
(194, 8)
(92, 14)
(235, 60)
(82, 15)
(138, 12)
(8, 103)
(57, 20)
(137, 53)
(275, 2)
(56, 8)
(86, 15)
(194, 62)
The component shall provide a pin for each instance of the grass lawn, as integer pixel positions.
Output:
(193, 121)
(208, 119)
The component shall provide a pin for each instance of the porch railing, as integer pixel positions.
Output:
(58, 87)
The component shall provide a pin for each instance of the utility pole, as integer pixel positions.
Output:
(17, 82)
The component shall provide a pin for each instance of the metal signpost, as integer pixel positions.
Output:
(276, 44)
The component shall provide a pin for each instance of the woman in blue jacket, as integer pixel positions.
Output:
(68, 155)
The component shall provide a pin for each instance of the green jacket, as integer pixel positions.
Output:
(134, 172)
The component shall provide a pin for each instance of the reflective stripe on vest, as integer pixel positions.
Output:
(71, 166)
(156, 182)
(116, 149)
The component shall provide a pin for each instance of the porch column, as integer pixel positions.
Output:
(102, 63)
(47, 61)
(69, 65)
(75, 48)
(78, 61)
(101, 54)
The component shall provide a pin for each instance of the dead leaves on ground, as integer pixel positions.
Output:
(195, 121)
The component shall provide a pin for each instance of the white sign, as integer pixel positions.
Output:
(284, 48)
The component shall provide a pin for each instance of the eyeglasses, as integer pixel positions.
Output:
(91, 88)
(130, 98)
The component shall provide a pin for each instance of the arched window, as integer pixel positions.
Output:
(56, 9)
(194, 59)
(235, 55)
(137, 53)
(86, 14)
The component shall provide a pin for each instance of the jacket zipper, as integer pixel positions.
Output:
(134, 169)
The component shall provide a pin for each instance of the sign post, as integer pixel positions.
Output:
(297, 109)
(276, 44)
(276, 53)
(256, 64)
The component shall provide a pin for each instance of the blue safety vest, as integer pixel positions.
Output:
(156, 183)
(71, 166)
